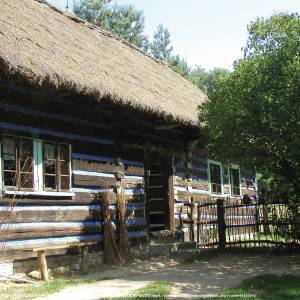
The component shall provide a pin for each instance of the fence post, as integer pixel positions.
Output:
(192, 229)
(265, 216)
(221, 223)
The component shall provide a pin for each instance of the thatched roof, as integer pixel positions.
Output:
(45, 46)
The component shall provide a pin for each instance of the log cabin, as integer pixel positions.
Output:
(81, 109)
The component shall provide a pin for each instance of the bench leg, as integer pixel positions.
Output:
(84, 260)
(43, 265)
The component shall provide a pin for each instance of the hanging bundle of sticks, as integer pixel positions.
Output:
(111, 251)
(123, 234)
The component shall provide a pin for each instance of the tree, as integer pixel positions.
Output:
(123, 20)
(161, 47)
(207, 80)
(253, 115)
(179, 65)
(93, 11)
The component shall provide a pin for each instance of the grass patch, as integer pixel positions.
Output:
(158, 290)
(12, 291)
(265, 287)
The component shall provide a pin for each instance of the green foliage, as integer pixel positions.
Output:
(207, 80)
(266, 287)
(253, 115)
(123, 20)
(179, 65)
(161, 47)
(40, 288)
(94, 11)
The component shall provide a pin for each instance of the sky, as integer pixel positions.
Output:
(205, 33)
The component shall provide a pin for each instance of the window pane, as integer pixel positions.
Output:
(25, 148)
(50, 182)
(26, 180)
(49, 151)
(215, 177)
(25, 153)
(9, 178)
(64, 152)
(9, 154)
(64, 182)
(49, 167)
(64, 168)
(235, 181)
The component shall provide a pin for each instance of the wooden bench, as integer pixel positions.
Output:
(42, 261)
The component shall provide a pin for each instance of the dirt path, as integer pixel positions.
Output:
(99, 290)
(205, 277)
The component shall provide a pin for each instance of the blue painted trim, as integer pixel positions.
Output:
(53, 224)
(133, 163)
(137, 233)
(134, 191)
(51, 207)
(76, 238)
(90, 189)
(136, 222)
(200, 159)
(93, 173)
(92, 157)
(200, 179)
(135, 206)
(37, 131)
(202, 170)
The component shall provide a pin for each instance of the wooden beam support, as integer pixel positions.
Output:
(43, 265)
(170, 198)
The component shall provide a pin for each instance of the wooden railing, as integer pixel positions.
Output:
(231, 223)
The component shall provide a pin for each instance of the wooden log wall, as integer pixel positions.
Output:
(38, 221)
(191, 183)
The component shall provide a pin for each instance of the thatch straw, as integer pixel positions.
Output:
(44, 46)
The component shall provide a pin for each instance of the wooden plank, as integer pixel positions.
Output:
(96, 166)
(134, 170)
(97, 181)
(59, 134)
(49, 242)
(66, 214)
(48, 231)
(248, 192)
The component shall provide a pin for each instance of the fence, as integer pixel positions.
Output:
(232, 223)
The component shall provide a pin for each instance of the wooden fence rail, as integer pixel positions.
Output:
(230, 223)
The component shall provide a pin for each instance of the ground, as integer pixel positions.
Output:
(204, 276)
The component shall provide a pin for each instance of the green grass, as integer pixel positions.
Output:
(12, 291)
(158, 290)
(265, 287)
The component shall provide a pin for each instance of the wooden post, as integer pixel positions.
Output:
(221, 223)
(171, 210)
(198, 223)
(192, 211)
(265, 217)
(43, 265)
(84, 260)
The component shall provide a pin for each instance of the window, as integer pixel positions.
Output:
(56, 167)
(235, 181)
(215, 178)
(17, 162)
